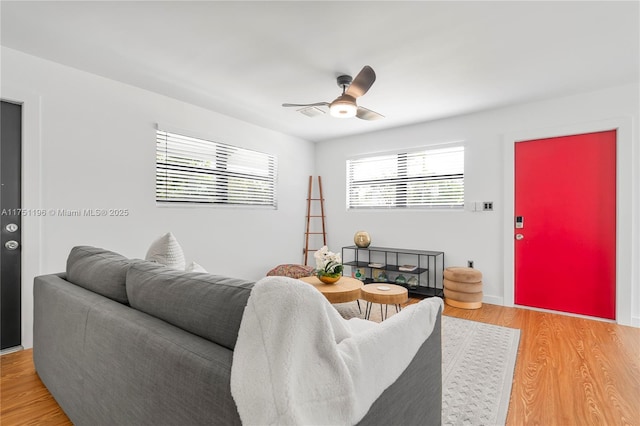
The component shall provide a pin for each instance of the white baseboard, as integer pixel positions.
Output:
(10, 350)
(493, 300)
(635, 322)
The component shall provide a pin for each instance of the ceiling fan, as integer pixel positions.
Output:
(345, 106)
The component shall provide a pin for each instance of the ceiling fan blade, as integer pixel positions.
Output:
(366, 114)
(362, 82)
(305, 105)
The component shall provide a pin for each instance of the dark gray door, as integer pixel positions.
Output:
(11, 226)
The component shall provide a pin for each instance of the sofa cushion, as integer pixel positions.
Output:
(99, 270)
(194, 267)
(292, 270)
(167, 251)
(210, 306)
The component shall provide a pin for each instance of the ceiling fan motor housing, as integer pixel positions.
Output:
(344, 80)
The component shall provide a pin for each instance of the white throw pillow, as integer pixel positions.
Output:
(167, 251)
(194, 267)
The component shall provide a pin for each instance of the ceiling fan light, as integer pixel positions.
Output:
(343, 107)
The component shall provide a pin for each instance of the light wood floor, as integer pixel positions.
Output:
(569, 371)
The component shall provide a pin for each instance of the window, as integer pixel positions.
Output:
(191, 170)
(428, 178)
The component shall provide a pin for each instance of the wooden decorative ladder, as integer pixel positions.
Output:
(310, 215)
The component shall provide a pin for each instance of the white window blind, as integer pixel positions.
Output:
(192, 170)
(428, 178)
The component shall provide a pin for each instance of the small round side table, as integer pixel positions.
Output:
(346, 289)
(384, 294)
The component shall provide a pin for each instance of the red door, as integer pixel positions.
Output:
(565, 251)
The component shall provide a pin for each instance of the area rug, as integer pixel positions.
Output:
(478, 361)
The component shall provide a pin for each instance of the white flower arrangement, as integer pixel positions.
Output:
(328, 263)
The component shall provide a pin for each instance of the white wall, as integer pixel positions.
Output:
(480, 236)
(89, 142)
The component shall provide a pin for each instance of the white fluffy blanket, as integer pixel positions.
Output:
(298, 362)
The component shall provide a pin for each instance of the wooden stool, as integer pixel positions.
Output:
(376, 293)
(463, 287)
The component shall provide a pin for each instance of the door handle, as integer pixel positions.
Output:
(11, 245)
(519, 236)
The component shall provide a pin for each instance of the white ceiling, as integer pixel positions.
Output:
(244, 59)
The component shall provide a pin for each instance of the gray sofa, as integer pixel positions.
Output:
(128, 342)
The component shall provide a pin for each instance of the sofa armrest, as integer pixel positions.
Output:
(416, 397)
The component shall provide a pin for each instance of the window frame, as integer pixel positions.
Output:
(214, 178)
(401, 201)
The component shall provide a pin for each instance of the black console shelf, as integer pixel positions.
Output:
(429, 267)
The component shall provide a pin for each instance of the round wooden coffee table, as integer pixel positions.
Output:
(384, 294)
(346, 289)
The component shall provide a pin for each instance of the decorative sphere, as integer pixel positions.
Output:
(362, 239)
